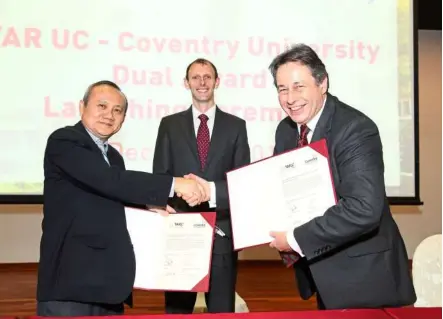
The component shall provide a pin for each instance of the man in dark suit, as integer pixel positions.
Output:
(352, 256)
(203, 143)
(87, 263)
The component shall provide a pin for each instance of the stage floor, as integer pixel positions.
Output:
(264, 285)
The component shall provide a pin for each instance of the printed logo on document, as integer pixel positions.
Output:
(287, 169)
(290, 165)
(311, 160)
(177, 224)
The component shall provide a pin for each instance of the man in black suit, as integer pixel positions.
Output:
(203, 143)
(352, 256)
(87, 263)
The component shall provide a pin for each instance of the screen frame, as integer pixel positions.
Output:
(404, 201)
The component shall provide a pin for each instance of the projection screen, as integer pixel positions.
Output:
(50, 51)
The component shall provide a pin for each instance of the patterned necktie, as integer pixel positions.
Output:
(203, 140)
(289, 258)
(303, 138)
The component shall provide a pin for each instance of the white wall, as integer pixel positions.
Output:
(20, 225)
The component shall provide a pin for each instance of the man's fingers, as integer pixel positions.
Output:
(193, 203)
(170, 210)
(160, 211)
(193, 200)
(202, 192)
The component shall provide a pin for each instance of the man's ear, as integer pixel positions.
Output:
(81, 107)
(324, 85)
(186, 83)
(217, 83)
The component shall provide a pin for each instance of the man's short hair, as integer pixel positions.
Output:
(201, 61)
(305, 55)
(88, 92)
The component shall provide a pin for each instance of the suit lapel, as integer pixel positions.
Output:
(80, 128)
(189, 132)
(324, 123)
(292, 139)
(111, 156)
(217, 136)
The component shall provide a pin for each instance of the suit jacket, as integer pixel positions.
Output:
(86, 253)
(355, 255)
(176, 155)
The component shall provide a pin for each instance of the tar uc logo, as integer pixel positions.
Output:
(176, 224)
(290, 165)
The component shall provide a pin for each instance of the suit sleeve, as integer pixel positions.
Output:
(278, 147)
(242, 156)
(361, 193)
(77, 161)
(162, 162)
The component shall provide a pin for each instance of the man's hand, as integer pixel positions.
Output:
(164, 212)
(188, 189)
(203, 183)
(280, 242)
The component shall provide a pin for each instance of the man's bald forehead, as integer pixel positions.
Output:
(103, 85)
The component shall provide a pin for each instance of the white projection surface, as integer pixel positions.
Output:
(50, 51)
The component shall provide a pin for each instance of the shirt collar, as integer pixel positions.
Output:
(97, 140)
(209, 113)
(313, 122)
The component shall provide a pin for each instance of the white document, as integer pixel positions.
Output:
(279, 193)
(173, 252)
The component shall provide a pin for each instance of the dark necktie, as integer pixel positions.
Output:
(203, 140)
(303, 137)
(289, 258)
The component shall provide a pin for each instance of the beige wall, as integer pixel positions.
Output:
(20, 225)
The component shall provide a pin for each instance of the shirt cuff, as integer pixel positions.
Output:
(293, 243)
(212, 198)
(171, 192)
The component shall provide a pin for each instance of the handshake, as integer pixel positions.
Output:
(193, 189)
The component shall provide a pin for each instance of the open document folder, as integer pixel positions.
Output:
(173, 252)
(279, 193)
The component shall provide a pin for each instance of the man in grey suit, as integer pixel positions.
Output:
(352, 256)
(203, 143)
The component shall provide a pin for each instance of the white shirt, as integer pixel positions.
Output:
(210, 113)
(311, 125)
(211, 117)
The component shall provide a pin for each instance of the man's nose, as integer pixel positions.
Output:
(292, 97)
(109, 115)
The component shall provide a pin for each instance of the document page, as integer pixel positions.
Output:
(279, 193)
(172, 252)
